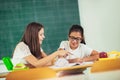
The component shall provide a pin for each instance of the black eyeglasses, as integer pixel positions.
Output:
(75, 38)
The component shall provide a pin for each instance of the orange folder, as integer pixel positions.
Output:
(106, 65)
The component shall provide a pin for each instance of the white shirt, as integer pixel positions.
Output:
(20, 52)
(81, 52)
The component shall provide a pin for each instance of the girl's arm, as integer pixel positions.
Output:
(45, 60)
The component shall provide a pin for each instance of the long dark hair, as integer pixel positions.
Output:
(30, 38)
(78, 28)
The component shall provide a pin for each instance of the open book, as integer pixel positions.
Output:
(63, 64)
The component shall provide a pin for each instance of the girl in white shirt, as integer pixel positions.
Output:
(77, 47)
(29, 51)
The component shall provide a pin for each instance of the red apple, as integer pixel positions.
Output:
(103, 55)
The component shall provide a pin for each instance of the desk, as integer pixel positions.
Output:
(72, 77)
(100, 70)
(64, 72)
(87, 75)
(108, 75)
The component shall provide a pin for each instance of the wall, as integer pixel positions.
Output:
(101, 21)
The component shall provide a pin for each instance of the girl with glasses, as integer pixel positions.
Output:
(77, 47)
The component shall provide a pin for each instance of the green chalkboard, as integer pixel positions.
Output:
(57, 16)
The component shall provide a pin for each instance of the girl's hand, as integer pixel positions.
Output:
(80, 60)
(62, 53)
